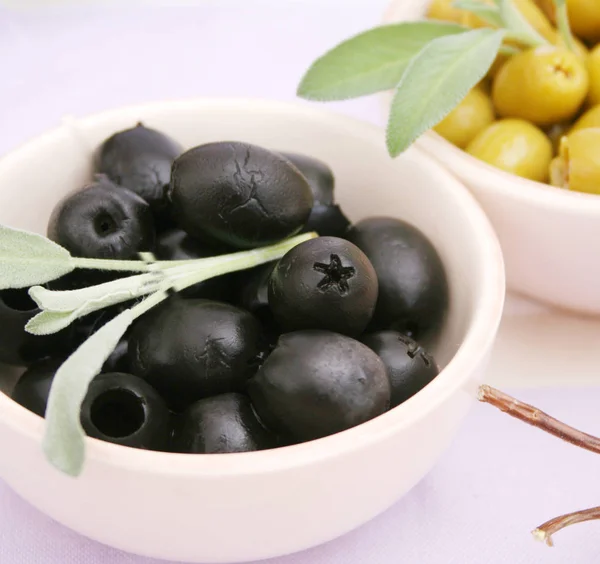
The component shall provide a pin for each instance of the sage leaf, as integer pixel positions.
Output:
(518, 25)
(437, 79)
(64, 439)
(28, 259)
(486, 12)
(370, 62)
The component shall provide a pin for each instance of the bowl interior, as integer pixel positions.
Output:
(368, 183)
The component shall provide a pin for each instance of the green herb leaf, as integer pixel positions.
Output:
(564, 26)
(370, 62)
(64, 440)
(435, 82)
(28, 258)
(489, 14)
(518, 26)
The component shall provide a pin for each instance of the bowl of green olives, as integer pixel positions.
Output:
(525, 142)
(298, 391)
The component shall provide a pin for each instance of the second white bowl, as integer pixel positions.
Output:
(550, 237)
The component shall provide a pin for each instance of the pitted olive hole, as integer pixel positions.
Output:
(559, 68)
(335, 275)
(117, 413)
(104, 224)
(19, 300)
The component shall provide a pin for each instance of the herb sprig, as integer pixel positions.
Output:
(28, 260)
(430, 65)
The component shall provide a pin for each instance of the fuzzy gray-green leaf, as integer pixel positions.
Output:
(435, 82)
(370, 62)
(28, 259)
(64, 441)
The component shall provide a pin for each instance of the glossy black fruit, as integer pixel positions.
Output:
(221, 424)
(327, 221)
(103, 221)
(317, 383)
(140, 159)
(409, 365)
(121, 408)
(33, 387)
(192, 349)
(176, 244)
(324, 283)
(319, 176)
(240, 194)
(413, 289)
(17, 346)
(253, 293)
(118, 361)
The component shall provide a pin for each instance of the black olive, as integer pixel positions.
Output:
(225, 423)
(324, 283)
(409, 365)
(319, 176)
(118, 361)
(103, 221)
(17, 346)
(413, 288)
(123, 409)
(33, 387)
(253, 292)
(176, 244)
(191, 349)
(240, 194)
(140, 159)
(328, 221)
(317, 383)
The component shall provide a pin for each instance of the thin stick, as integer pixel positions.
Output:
(533, 416)
(544, 532)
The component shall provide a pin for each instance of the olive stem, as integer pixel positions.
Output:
(525, 39)
(562, 22)
(544, 532)
(537, 418)
(509, 50)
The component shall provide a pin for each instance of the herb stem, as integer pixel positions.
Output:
(527, 39)
(562, 22)
(544, 532)
(537, 418)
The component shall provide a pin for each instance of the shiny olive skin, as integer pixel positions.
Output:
(589, 119)
(140, 159)
(593, 68)
(221, 424)
(318, 174)
(103, 220)
(33, 387)
(410, 367)
(474, 113)
(544, 85)
(123, 409)
(176, 244)
(324, 283)
(17, 346)
(327, 221)
(192, 349)
(577, 166)
(413, 288)
(317, 383)
(118, 361)
(515, 146)
(239, 194)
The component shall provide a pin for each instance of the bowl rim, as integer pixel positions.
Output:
(487, 312)
(488, 177)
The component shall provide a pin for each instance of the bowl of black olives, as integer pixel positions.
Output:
(266, 332)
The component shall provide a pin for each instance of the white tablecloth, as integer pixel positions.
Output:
(500, 478)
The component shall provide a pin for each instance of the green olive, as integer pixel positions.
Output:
(445, 11)
(464, 122)
(544, 85)
(591, 118)
(593, 68)
(577, 166)
(516, 146)
(584, 17)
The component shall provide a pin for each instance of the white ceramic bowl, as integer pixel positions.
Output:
(239, 507)
(550, 237)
